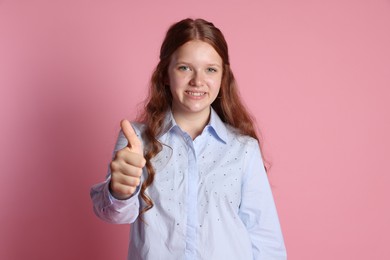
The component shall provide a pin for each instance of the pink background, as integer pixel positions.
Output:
(316, 74)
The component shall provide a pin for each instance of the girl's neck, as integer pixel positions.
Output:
(192, 123)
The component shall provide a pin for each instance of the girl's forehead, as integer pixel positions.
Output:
(194, 44)
(197, 50)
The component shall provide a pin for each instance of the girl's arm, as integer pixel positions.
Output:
(258, 211)
(112, 210)
(105, 205)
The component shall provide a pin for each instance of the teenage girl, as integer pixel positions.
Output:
(189, 174)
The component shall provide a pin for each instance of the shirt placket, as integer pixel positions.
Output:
(192, 201)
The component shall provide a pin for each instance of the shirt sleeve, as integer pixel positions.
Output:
(258, 211)
(108, 208)
(112, 210)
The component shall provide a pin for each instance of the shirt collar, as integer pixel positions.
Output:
(216, 126)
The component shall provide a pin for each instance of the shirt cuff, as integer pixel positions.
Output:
(118, 204)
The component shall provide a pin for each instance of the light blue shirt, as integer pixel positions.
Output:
(212, 199)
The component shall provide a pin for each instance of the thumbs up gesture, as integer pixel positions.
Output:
(126, 167)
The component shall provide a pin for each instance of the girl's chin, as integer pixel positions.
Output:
(192, 110)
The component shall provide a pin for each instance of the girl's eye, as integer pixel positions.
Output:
(211, 70)
(184, 68)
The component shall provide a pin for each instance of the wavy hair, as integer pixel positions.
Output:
(228, 104)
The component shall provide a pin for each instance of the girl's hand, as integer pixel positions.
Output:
(126, 168)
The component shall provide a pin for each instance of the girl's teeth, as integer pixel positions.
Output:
(196, 94)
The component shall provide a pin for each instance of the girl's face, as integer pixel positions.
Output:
(195, 75)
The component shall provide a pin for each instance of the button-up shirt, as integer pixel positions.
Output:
(212, 199)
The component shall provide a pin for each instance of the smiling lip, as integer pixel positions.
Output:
(196, 94)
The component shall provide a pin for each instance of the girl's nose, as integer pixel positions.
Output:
(197, 80)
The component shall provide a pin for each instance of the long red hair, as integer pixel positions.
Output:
(228, 104)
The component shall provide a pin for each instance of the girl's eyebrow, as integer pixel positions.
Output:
(189, 63)
(182, 62)
(214, 65)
